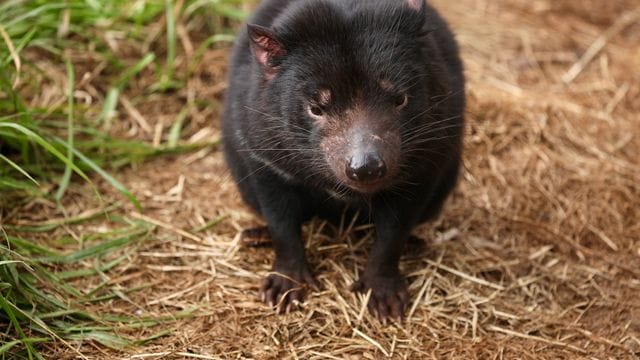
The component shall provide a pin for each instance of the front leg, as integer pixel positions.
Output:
(381, 275)
(284, 209)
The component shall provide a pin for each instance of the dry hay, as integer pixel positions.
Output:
(535, 256)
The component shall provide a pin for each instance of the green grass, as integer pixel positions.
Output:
(46, 151)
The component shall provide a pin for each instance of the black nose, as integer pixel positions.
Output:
(366, 167)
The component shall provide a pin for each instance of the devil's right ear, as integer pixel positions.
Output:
(417, 5)
(266, 48)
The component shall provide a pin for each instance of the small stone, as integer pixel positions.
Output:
(633, 346)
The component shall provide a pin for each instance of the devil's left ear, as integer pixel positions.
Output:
(266, 48)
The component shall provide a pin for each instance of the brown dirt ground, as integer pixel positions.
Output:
(535, 256)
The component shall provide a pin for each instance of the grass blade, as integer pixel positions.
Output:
(166, 81)
(109, 107)
(46, 145)
(111, 101)
(64, 183)
(97, 250)
(18, 168)
(105, 175)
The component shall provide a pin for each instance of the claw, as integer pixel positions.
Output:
(284, 290)
(389, 298)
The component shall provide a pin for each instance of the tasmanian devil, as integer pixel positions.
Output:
(344, 104)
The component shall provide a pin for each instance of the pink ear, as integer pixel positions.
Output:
(266, 47)
(415, 4)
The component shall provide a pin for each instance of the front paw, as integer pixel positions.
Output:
(284, 289)
(389, 296)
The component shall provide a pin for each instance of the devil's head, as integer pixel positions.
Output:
(352, 95)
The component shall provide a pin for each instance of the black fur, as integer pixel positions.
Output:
(273, 147)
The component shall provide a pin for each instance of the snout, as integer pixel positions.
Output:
(366, 167)
(363, 153)
(370, 161)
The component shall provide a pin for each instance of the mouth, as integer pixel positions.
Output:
(364, 187)
(367, 188)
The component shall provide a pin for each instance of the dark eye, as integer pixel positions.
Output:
(316, 111)
(401, 101)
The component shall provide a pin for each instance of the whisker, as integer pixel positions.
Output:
(280, 119)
